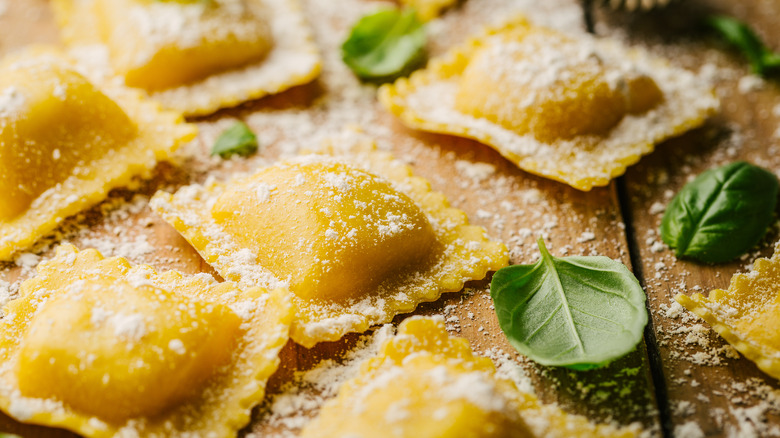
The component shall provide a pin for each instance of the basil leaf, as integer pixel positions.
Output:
(385, 45)
(722, 213)
(237, 139)
(762, 59)
(772, 61)
(8, 435)
(577, 312)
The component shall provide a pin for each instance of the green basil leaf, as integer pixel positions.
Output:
(722, 213)
(762, 60)
(385, 45)
(771, 61)
(238, 139)
(8, 435)
(577, 312)
(742, 36)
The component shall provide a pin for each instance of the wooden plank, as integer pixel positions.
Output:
(512, 205)
(707, 384)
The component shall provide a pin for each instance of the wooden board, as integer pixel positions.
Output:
(702, 380)
(512, 205)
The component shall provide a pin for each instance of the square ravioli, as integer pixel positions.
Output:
(350, 231)
(573, 109)
(103, 348)
(196, 56)
(65, 142)
(747, 315)
(424, 383)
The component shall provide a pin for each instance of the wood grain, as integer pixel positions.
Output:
(704, 382)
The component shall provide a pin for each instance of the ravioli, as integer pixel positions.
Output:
(424, 383)
(65, 142)
(212, 38)
(104, 348)
(747, 313)
(355, 237)
(196, 56)
(573, 109)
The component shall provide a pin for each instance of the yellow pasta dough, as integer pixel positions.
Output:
(429, 9)
(424, 383)
(353, 235)
(380, 230)
(747, 314)
(211, 39)
(104, 348)
(573, 109)
(65, 142)
(196, 56)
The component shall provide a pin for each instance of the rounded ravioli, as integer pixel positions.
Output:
(79, 139)
(349, 230)
(104, 348)
(571, 108)
(426, 384)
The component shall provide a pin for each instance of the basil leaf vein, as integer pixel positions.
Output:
(578, 312)
(236, 140)
(385, 45)
(721, 214)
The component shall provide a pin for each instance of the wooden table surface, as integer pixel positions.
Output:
(682, 381)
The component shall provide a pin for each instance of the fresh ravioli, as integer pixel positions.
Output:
(350, 231)
(65, 142)
(747, 314)
(427, 384)
(574, 109)
(105, 349)
(195, 56)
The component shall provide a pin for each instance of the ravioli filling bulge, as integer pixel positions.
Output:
(761, 327)
(425, 383)
(157, 45)
(116, 352)
(427, 397)
(571, 91)
(62, 124)
(331, 230)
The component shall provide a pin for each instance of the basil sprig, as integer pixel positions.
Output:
(236, 140)
(385, 45)
(763, 61)
(578, 312)
(722, 213)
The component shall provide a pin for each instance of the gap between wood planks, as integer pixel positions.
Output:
(651, 343)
